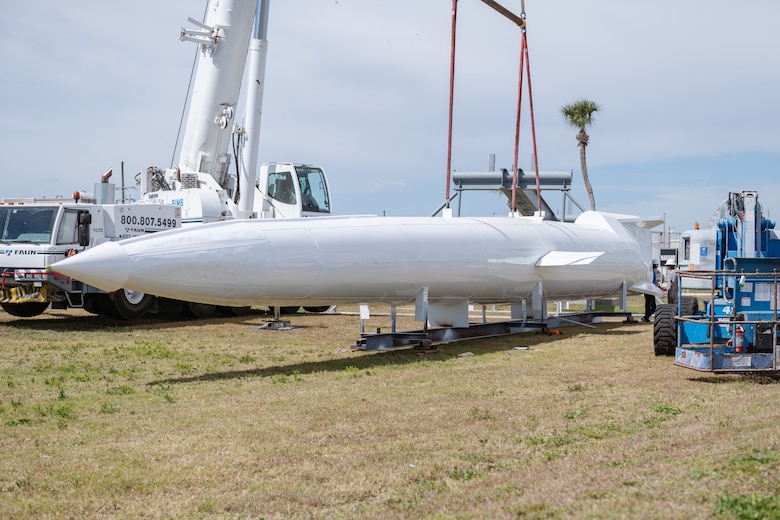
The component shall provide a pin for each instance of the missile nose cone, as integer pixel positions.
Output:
(106, 266)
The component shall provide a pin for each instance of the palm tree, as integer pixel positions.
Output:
(580, 115)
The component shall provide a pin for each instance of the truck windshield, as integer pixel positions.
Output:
(27, 224)
(314, 189)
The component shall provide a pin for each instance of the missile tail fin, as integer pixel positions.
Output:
(644, 223)
(563, 258)
(647, 288)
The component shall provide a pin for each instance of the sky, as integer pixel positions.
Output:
(689, 97)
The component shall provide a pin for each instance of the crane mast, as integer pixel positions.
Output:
(223, 40)
(258, 50)
(214, 180)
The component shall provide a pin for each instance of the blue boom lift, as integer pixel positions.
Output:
(736, 328)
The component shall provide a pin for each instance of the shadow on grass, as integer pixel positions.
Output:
(754, 378)
(164, 320)
(54, 320)
(408, 355)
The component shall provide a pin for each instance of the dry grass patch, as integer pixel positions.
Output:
(217, 419)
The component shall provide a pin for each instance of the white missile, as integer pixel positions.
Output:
(441, 263)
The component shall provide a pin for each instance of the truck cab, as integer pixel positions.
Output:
(293, 190)
(35, 233)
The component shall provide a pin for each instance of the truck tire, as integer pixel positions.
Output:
(103, 305)
(198, 310)
(233, 311)
(25, 310)
(665, 330)
(127, 305)
(288, 310)
(93, 303)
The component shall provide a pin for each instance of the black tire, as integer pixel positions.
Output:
(321, 308)
(288, 310)
(104, 306)
(233, 311)
(127, 305)
(665, 330)
(25, 310)
(94, 303)
(689, 305)
(198, 310)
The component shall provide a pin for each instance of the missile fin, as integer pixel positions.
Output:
(607, 220)
(644, 223)
(561, 258)
(647, 288)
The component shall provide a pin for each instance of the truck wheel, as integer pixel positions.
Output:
(322, 308)
(198, 310)
(288, 310)
(102, 305)
(92, 304)
(25, 310)
(128, 305)
(665, 330)
(233, 311)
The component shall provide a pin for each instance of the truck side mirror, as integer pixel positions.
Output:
(85, 219)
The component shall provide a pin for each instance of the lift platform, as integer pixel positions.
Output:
(738, 330)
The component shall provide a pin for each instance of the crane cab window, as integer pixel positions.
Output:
(314, 191)
(281, 187)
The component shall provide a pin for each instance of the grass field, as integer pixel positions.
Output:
(215, 418)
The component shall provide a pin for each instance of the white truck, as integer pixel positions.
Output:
(35, 233)
(209, 183)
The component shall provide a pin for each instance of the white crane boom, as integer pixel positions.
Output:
(223, 40)
(212, 180)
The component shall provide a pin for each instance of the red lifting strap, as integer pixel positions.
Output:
(524, 66)
(524, 61)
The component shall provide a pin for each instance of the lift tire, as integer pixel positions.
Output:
(25, 310)
(198, 310)
(288, 310)
(665, 330)
(689, 305)
(318, 309)
(233, 311)
(127, 305)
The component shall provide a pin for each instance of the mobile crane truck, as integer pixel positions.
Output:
(35, 233)
(201, 188)
(210, 183)
(736, 329)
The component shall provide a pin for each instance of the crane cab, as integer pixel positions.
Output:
(293, 190)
